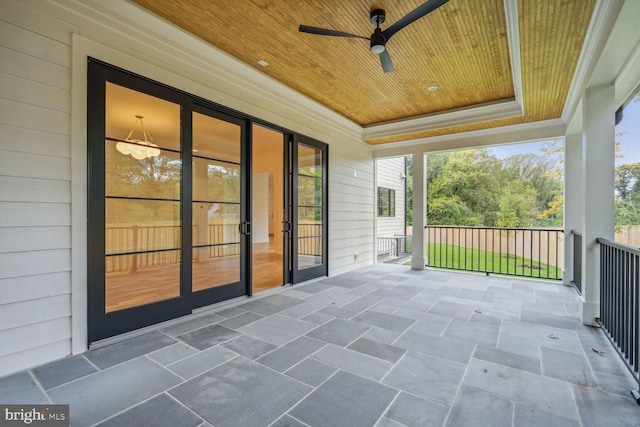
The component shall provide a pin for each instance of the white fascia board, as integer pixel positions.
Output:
(629, 78)
(535, 131)
(513, 37)
(457, 117)
(472, 114)
(602, 23)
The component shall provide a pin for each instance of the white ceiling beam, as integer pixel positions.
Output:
(534, 131)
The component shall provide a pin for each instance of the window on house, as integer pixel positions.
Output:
(386, 202)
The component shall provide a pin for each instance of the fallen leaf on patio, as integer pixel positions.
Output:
(477, 311)
(597, 350)
(553, 336)
(485, 370)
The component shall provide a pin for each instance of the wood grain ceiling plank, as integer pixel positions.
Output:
(551, 38)
(461, 47)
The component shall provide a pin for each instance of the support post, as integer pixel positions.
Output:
(573, 200)
(418, 258)
(598, 177)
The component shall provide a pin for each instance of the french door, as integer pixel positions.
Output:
(309, 208)
(182, 214)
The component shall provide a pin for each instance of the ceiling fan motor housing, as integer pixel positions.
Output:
(377, 17)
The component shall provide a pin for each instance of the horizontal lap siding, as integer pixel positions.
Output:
(389, 174)
(351, 202)
(35, 187)
(35, 173)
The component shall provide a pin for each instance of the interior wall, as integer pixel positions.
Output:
(260, 207)
(43, 169)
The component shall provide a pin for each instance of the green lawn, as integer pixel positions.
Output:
(449, 256)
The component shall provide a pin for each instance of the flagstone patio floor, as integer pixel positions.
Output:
(381, 346)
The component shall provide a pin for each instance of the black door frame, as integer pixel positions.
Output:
(103, 325)
(231, 290)
(300, 275)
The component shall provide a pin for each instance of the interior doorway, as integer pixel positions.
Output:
(269, 218)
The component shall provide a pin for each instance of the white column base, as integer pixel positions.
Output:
(418, 263)
(566, 278)
(589, 311)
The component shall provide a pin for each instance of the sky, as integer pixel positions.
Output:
(629, 130)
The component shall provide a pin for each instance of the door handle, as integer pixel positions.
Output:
(286, 226)
(245, 228)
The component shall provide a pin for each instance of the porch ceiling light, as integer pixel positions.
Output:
(138, 148)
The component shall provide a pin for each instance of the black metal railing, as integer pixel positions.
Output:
(577, 261)
(620, 302)
(156, 245)
(394, 247)
(524, 252)
(310, 239)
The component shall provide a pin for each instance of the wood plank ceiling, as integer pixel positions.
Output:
(462, 48)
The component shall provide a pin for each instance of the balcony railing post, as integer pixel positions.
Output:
(620, 302)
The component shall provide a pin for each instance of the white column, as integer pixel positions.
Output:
(598, 177)
(418, 259)
(573, 200)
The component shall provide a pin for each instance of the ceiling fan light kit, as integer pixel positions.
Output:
(379, 38)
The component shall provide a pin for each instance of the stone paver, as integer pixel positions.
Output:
(381, 346)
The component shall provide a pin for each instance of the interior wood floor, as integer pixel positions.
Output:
(153, 284)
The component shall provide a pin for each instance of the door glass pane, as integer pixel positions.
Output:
(215, 181)
(160, 118)
(141, 225)
(216, 205)
(152, 177)
(267, 237)
(309, 209)
(216, 139)
(140, 279)
(142, 210)
(221, 220)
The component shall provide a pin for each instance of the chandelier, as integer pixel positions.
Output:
(137, 148)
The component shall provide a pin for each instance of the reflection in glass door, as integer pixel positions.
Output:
(269, 220)
(309, 201)
(216, 202)
(142, 199)
(176, 219)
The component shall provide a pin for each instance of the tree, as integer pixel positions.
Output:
(465, 180)
(553, 212)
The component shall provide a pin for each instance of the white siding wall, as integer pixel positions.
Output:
(35, 187)
(43, 155)
(389, 175)
(351, 208)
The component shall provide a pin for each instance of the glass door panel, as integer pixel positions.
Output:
(309, 195)
(142, 199)
(216, 202)
(270, 223)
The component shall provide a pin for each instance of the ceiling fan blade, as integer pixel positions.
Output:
(326, 32)
(385, 61)
(413, 16)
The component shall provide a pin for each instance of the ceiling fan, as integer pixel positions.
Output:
(379, 38)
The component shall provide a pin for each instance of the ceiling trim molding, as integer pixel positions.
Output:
(534, 131)
(628, 79)
(603, 19)
(461, 116)
(471, 114)
(513, 37)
